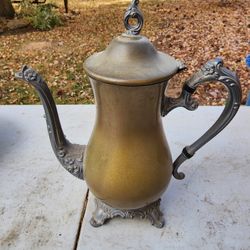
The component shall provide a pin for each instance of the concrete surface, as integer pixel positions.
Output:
(41, 204)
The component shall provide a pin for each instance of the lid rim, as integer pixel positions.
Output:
(129, 82)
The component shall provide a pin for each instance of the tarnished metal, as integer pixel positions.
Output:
(131, 61)
(127, 163)
(151, 212)
(70, 155)
(211, 71)
(133, 11)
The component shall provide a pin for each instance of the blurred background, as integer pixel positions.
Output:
(56, 43)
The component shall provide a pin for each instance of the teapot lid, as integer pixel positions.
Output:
(131, 59)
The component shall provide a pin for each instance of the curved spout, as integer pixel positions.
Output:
(69, 155)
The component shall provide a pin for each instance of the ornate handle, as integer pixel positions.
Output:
(211, 71)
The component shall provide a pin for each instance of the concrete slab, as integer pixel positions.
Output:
(209, 209)
(40, 203)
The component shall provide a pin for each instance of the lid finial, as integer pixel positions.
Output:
(133, 11)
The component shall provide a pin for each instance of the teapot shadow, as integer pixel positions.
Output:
(10, 138)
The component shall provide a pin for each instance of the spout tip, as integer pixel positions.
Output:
(20, 74)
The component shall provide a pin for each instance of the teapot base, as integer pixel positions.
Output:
(104, 212)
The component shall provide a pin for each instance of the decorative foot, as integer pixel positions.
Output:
(103, 213)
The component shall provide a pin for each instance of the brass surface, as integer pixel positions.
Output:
(128, 164)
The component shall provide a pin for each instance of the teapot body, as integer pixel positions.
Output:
(127, 161)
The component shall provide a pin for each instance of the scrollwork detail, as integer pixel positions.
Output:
(133, 11)
(104, 212)
(212, 71)
(69, 155)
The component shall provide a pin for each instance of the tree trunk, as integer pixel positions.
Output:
(6, 9)
(66, 5)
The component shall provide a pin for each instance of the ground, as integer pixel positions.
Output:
(191, 31)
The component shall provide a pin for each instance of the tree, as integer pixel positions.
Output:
(66, 5)
(6, 9)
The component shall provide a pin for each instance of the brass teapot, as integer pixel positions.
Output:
(127, 163)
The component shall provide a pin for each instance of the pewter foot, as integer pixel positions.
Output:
(156, 216)
(104, 212)
(100, 216)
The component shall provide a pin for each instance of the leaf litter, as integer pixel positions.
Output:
(191, 31)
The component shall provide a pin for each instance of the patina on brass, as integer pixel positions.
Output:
(127, 163)
(128, 160)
